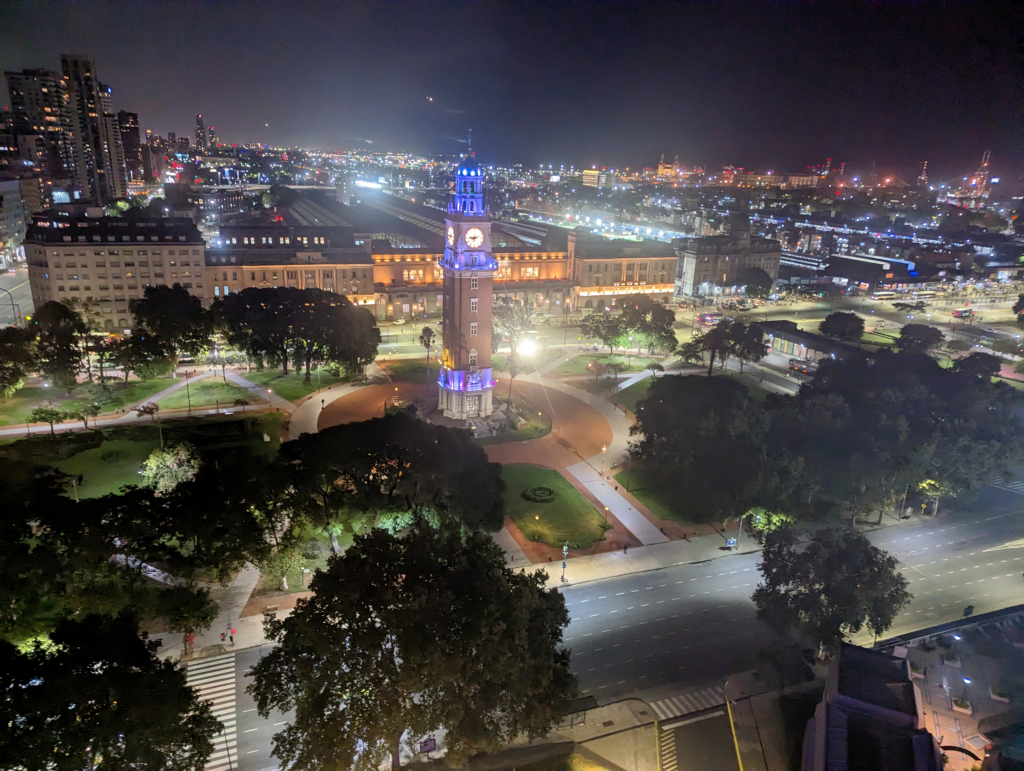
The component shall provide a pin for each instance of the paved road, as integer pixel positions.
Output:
(681, 629)
(690, 625)
(17, 284)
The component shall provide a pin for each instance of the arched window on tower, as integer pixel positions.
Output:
(472, 357)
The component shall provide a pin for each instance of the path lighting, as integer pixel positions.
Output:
(604, 449)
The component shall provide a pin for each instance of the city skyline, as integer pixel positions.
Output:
(613, 86)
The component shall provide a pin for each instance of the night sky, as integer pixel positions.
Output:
(766, 86)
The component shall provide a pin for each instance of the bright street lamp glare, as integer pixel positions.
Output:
(527, 347)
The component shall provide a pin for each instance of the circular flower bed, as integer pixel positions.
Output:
(539, 494)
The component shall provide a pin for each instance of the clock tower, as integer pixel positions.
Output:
(468, 265)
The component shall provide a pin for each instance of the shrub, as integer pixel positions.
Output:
(539, 494)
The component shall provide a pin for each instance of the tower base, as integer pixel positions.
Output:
(462, 405)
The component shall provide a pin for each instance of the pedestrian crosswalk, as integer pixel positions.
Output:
(1015, 486)
(667, 751)
(215, 679)
(686, 703)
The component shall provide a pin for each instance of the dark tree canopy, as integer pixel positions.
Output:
(756, 280)
(60, 333)
(834, 586)
(407, 636)
(305, 326)
(176, 317)
(701, 436)
(979, 364)
(745, 342)
(648, 323)
(919, 338)
(392, 470)
(18, 358)
(100, 698)
(843, 325)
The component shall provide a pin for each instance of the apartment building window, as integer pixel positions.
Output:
(473, 301)
(474, 283)
(101, 264)
(472, 329)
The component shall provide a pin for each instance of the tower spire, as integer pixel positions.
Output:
(469, 142)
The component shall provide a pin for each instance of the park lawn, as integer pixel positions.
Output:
(598, 386)
(579, 365)
(290, 387)
(569, 517)
(109, 467)
(413, 370)
(661, 500)
(630, 397)
(877, 338)
(1018, 384)
(537, 424)
(204, 393)
(16, 409)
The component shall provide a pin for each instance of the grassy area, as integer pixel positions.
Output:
(109, 467)
(290, 387)
(629, 397)
(569, 517)
(204, 393)
(413, 370)
(599, 386)
(664, 501)
(537, 425)
(877, 338)
(1018, 384)
(580, 365)
(110, 396)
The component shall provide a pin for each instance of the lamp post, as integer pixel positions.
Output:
(188, 394)
(270, 393)
(604, 449)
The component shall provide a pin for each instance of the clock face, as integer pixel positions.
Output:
(451, 236)
(474, 238)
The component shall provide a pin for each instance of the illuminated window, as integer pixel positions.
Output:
(530, 272)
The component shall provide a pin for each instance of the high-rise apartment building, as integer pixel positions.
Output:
(211, 137)
(200, 132)
(132, 142)
(99, 153)
(39, 108)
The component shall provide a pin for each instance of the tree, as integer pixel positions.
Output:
(390, 472)
(655, 368)
(713, 342)
(405, 636)
(60, 332)
(427, 340)
(957, 345)
(85, 412)
(702, 436)
(18, 358)
(97, 696)
(919, 338)
(47, 414)
(842, 325)
(978, 364)
(603, 327)
(145, 354)
(756, 280)
(166, 468)
(835, 586)
(648, 323)
(176, 317)
(187, 610)
(510, 320)
(306, 326)
(1006, 346)
(1018, 307)
(764, 521)
(747, 342)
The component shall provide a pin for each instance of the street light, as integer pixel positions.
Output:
(604, 449)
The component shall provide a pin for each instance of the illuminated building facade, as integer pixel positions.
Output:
(603, 270)
(468, 266)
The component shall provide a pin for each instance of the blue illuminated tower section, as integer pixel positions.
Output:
(466, 382)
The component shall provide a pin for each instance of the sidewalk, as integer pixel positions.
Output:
(305, 418)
